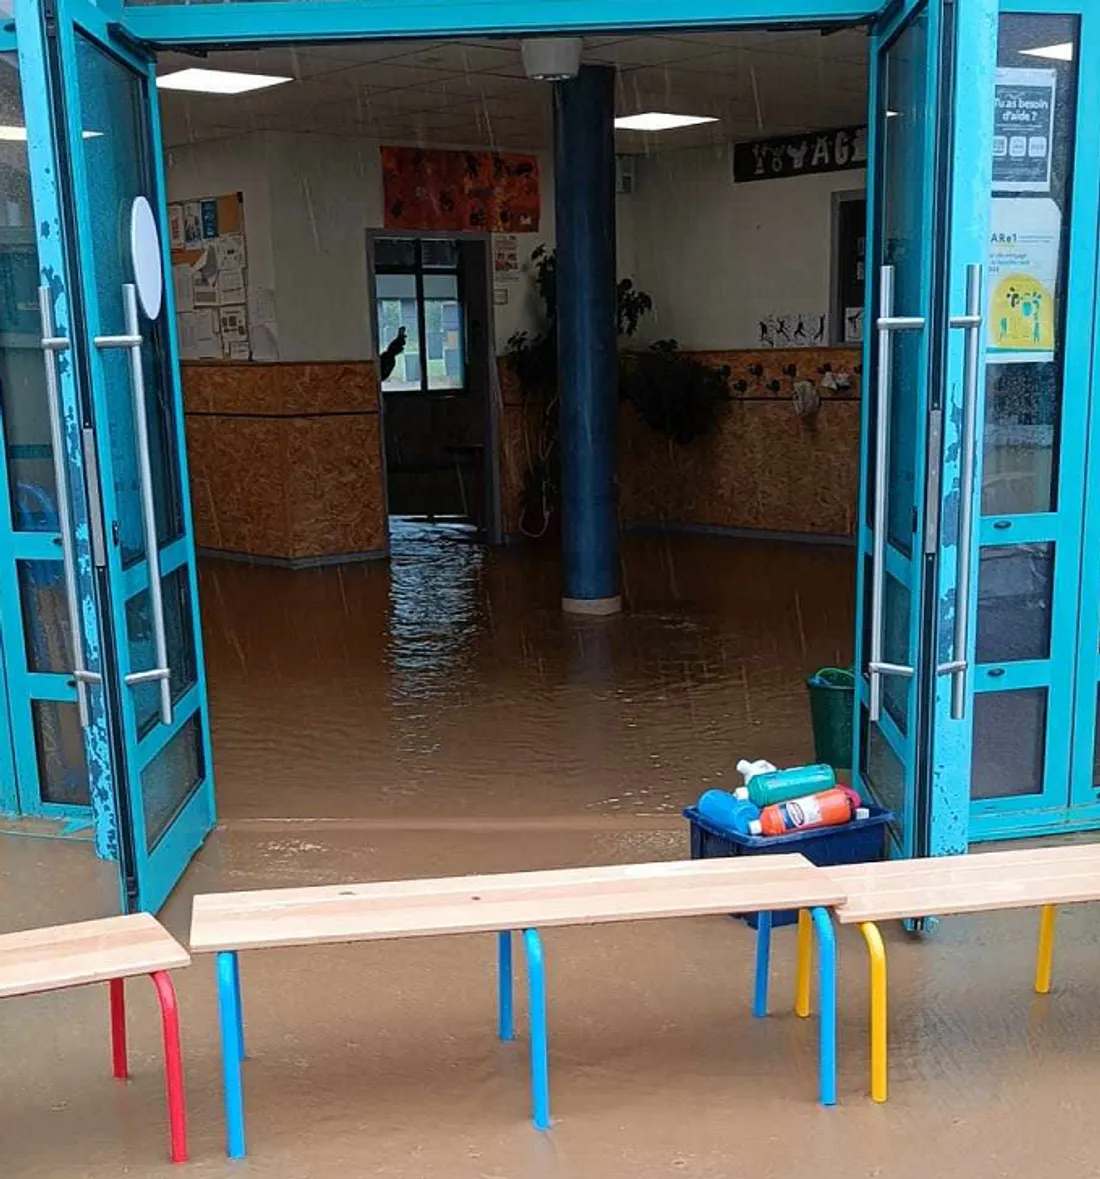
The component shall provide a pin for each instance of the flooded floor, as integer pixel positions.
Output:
(448, 684)
(446, 718)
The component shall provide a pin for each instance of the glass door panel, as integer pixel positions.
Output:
(1034, 425)
(61, 766)
(927, 242)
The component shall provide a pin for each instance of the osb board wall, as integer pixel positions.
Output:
(286, 459)
(765, 468)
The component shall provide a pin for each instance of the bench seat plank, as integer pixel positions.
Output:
(515, 900)
(1018, 879)
(51, 959)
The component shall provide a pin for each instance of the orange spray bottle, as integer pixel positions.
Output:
(830, 808)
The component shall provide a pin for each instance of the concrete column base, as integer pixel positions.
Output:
(593, 606)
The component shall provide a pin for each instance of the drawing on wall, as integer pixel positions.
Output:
(1024, 246)
(209, 269)
(793, 330)
(434, 189)
(853, 325)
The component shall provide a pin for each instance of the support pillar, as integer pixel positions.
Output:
(588, 361)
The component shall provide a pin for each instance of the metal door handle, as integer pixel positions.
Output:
(51, 345)
(971, 323)
(886, 325)
(131, 342)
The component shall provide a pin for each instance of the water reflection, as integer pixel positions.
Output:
(447, 682)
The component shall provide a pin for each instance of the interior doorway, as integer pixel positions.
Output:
(432, 316)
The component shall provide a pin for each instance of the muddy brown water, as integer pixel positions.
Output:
(449, 720)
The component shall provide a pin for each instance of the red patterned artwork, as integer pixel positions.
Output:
(431, 189)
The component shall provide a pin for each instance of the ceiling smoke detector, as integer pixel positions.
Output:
(551, 59)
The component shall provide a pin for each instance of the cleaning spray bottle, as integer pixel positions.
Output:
(726, 810)
(829, 808)
(768, 788)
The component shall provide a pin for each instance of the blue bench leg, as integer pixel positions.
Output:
(229, 1009)
(763, 958)
(826, 941)
(505, 1022)
(240, 1006)
(536, 1002)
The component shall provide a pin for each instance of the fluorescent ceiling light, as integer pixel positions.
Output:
(217, 81)
(656, 121)
(1061, 52)
(10, 134)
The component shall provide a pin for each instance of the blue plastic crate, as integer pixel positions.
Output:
(857, 842)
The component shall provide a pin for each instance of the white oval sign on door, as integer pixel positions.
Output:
(145, 256)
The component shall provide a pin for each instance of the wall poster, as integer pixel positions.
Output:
(1024, 251)
(1023, 126)
(497, 192)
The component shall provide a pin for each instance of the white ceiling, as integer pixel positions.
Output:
(474, 92)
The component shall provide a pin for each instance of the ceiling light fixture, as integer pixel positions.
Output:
(201, 81)
(658, 121)
(1061, 52)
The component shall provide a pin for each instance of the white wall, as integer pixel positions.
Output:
(718, 257)
(715, 257)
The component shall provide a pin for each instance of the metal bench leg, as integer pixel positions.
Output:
(536, 1002)
(826, 942)
(229, 1008)
(805, 963)
(119, 1067)
(763, 959)
(1045, 962)
(876, 952)
(240, 1006)
(506, 1027)
(173, 1064)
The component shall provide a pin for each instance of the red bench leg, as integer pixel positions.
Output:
(119, 1067)
(173, 1065)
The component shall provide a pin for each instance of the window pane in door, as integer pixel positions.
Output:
(904, 234)
(24, 412)
(1015, 588)
(1030, 217)
(59, 743)
(113, 115)
(47, 635)
(1010, 730)
(180, 640)
(168, 781)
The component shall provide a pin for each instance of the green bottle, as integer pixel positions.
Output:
(783, 785)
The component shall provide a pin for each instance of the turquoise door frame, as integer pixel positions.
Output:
(1066, 798)
(101, 140)
(930, 164)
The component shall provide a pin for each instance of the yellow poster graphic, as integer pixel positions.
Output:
(1025, 239)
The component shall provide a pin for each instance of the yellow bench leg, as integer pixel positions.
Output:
(877, 953)
(1045, 961)
(805, 963)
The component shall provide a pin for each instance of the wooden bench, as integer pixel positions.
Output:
(901, 889)
(228, 923)
(110, 950)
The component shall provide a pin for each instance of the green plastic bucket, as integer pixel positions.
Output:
(832, 703)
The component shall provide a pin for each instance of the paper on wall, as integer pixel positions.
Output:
(233, 324)
(192, 223)
(176, 239)
(230, 284)
(199, 338)
(265, 342)
(239, 352)
(183, 288)
(230, 249)
(261, 306)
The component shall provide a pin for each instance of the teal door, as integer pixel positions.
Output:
(932, 92)
(96, 158)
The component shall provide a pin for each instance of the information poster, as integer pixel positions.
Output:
(1024, 250)
(1023, 124)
